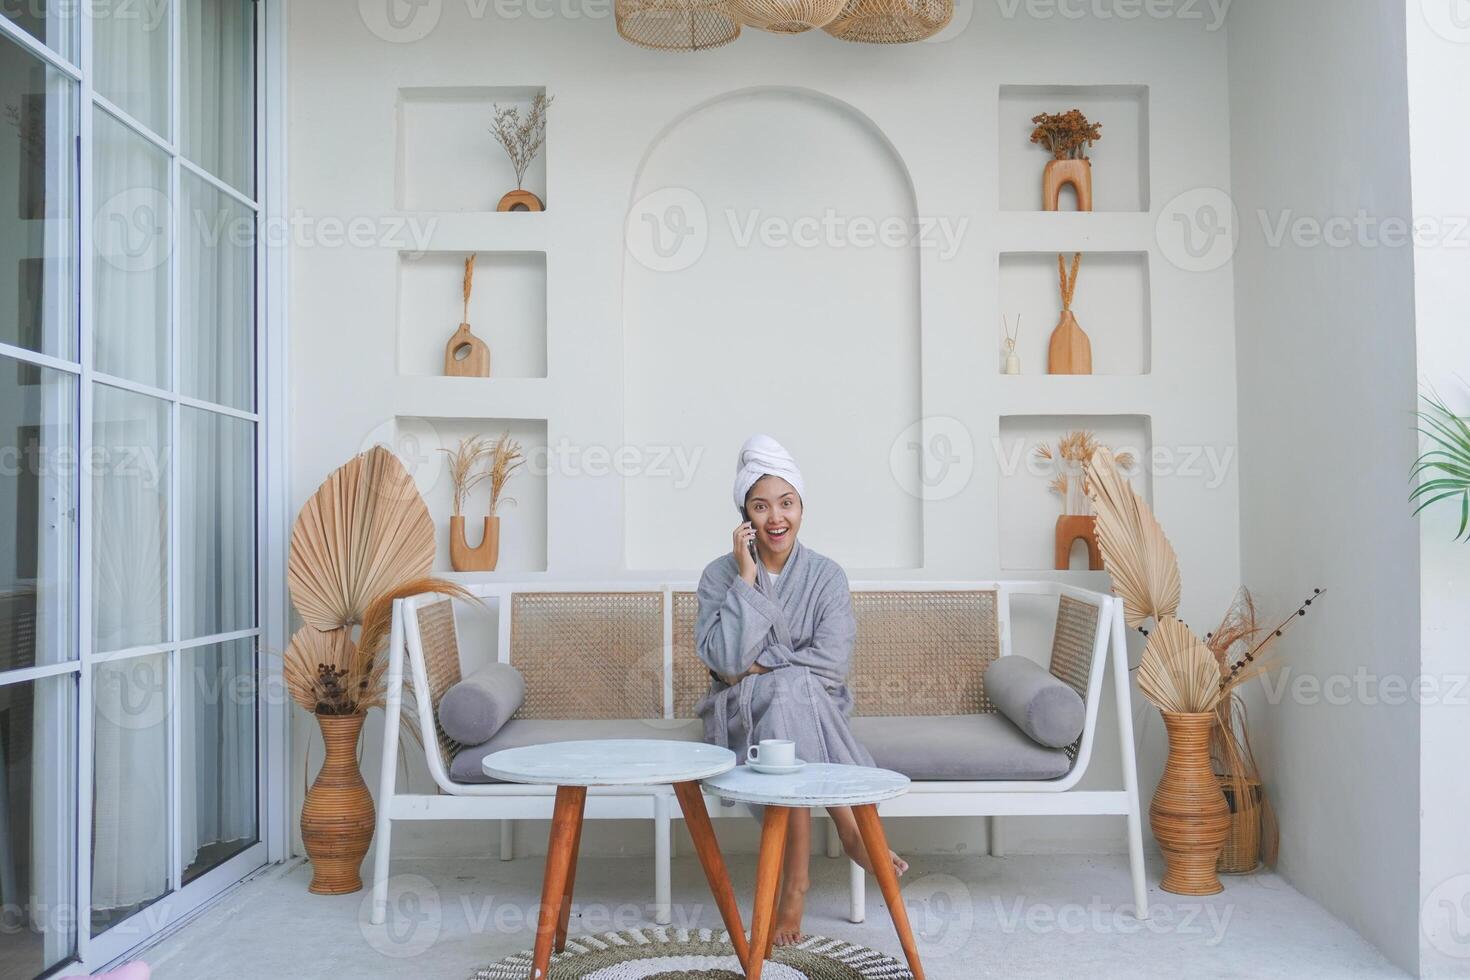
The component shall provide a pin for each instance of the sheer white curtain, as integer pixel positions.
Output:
(130, 723)
(217, 364)
(215, 455)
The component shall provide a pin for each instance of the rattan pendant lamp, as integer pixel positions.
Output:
(677, 25)
(891, 21)
(787, 16)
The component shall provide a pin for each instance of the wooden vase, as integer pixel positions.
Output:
(466, 356)
(1060, 173)
(1189, 815)
(337, 816)
(520, 200)
(481, 558)
(1071, 527)
(1070, 351)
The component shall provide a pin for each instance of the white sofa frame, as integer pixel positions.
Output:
(510, 802)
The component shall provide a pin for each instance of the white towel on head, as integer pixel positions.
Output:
(763, 456)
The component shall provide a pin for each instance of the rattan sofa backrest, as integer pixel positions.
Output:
(1071, 648)
(440, 643)
(917, 652)
(622, 654)
(589, 655)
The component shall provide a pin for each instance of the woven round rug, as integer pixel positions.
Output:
(697, 954)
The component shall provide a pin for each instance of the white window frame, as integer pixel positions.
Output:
(272, 760)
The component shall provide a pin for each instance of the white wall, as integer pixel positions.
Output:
(1439, 72)
(1326, 370)
(939, 107)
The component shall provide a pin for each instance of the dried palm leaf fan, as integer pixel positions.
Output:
(891, 21)
(787, 16)
(1178, 673)
(677, 25)
(1140, 559)
(364, 532)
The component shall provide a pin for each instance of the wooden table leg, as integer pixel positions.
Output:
(696, 818)
(876, 843)
(767, 877)
(566, 821)
(566, 899)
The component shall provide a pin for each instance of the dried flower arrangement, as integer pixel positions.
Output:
(505, 458)
(1070, 457)
(364, 539)
(522, 139)
(1241, 649)
(465, 355)
(1179, 672)
(464, 474)
(1065, 134)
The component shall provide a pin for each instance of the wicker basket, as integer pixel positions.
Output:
(1242, 853)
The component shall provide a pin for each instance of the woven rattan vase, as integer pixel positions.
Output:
(337, 815)
(1189, 815)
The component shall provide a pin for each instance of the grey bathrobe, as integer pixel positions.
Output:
(801, 627)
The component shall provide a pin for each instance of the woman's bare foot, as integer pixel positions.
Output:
(859, 853)
(789, 913)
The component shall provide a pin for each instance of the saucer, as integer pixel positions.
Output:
(777, 770)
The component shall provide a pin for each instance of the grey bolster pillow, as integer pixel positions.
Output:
(1048, 710)
(472, 711)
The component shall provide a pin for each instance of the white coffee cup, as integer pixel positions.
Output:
(777, 752)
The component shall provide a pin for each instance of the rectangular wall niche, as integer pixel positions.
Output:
(522, 523)
(1120, 171)
(447, 158)
(507, 310)
(1028, 510)
(1111, 305)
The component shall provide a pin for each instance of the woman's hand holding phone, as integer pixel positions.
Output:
(745, 551)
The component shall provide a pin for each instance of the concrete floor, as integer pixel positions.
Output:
(1014, 917)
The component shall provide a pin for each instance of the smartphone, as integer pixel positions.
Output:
(751, 546)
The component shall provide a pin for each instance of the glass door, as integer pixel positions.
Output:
(130, 433)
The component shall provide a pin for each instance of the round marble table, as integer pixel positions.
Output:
(574, 766)
(858, 787)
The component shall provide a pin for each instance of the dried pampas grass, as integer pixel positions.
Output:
(505, 459)
(363, 532)
(1178, 673)
(463, 465)
(1139, 557)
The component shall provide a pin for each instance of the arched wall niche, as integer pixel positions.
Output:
(771, 284)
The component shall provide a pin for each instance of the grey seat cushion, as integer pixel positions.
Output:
(958, 747)
(961, 747)
(473, 710)
(465, 766)
(1041, 705)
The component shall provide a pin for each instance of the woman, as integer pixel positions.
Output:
(776, 630)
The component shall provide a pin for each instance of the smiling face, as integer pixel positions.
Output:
(774, 508)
